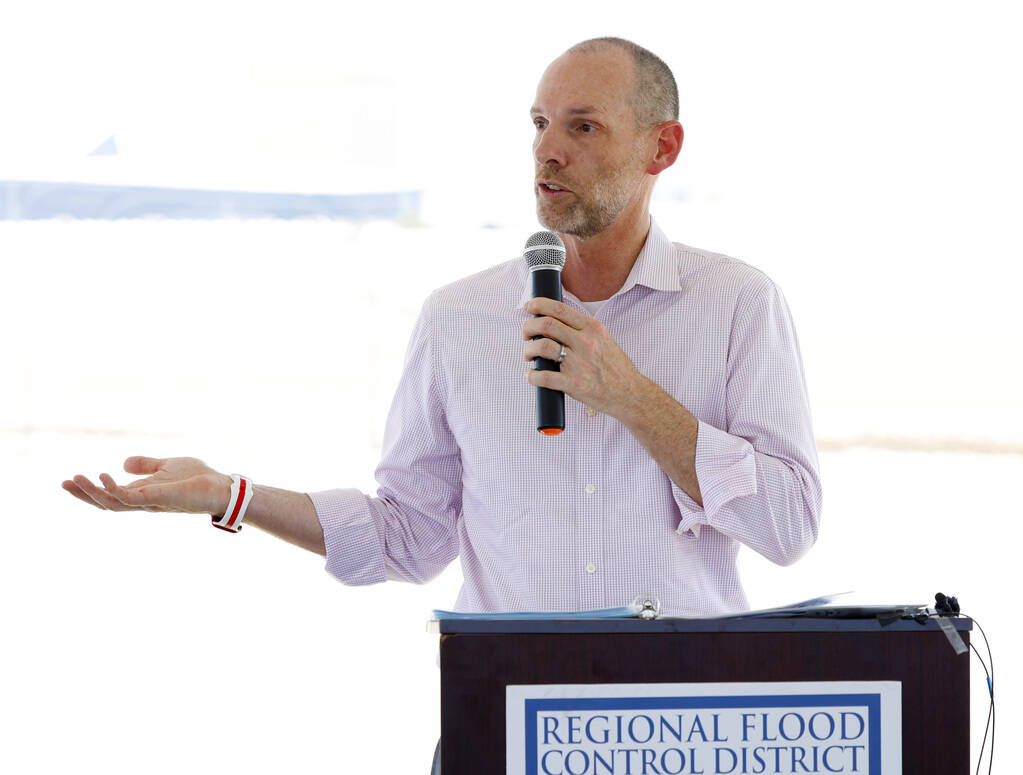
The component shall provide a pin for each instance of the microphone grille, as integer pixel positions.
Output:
(545, 248)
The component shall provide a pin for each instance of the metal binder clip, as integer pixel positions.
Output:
(647, 606)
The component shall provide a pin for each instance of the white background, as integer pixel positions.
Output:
(865, 155)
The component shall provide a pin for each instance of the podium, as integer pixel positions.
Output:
(481, 658)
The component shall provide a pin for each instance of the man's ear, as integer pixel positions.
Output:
(669, 143)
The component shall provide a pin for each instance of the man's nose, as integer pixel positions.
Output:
(549, 149)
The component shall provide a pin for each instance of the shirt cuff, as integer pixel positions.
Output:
(354, 547)
(726, 469)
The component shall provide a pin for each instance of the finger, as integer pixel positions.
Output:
(549, 327)
(101, 496)
(541, 348)
(75, 490)
(127, 497)
(135, 496)
(138, 464)
(554, 380)
(556, 309)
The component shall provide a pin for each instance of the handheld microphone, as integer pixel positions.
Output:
(545, 256)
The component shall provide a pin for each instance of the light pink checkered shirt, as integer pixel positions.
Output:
(587, 519)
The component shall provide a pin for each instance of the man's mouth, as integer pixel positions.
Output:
(552, 189)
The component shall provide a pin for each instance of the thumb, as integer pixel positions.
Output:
(142, 465)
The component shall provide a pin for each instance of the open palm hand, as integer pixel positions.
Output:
(181, 484)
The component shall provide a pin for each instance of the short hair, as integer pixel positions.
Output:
(655, 93)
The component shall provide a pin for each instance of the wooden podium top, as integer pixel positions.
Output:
(765, 624)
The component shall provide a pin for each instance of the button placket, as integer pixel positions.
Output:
(589, 470)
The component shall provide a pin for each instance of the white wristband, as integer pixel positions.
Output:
(241, 496)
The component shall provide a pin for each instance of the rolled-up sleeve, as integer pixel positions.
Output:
(354, 550)
(408, 531)
(758, 476)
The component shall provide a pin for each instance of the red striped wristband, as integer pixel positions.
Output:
(241, 496)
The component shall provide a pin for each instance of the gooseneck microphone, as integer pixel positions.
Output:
(545, 256)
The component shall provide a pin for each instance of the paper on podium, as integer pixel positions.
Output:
(642, 606)
(839, 606)
(622, 612)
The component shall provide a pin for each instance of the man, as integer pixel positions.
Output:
(688, 428)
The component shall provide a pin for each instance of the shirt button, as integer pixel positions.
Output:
(591, 568)
(590, 489)
(591, 411)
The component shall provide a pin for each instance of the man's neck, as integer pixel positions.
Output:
(596, 268)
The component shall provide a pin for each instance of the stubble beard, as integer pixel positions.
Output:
(589, 215)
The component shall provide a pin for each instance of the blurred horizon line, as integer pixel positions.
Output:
(41, 200)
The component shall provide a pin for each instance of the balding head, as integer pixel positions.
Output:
(604, 131)
(654, 92)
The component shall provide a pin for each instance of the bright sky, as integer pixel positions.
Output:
(858, 101)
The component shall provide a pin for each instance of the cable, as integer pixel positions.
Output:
(991, 707)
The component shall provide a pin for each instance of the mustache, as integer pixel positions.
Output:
(544, 173)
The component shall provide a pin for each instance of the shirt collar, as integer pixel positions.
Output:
(655, 267)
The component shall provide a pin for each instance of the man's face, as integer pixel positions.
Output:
(586, 143)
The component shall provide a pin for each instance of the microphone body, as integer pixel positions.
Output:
(545, 256)
(550, 404)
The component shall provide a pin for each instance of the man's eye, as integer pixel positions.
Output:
(539, 123)
(586, 128)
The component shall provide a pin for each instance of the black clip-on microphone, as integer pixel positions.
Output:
(946, 606)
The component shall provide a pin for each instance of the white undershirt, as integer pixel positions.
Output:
(593, 307)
